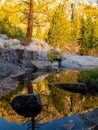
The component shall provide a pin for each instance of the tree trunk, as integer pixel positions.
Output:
(30, 24)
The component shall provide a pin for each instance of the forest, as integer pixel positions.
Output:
(65, 24)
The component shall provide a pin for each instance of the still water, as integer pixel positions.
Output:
(57, 103)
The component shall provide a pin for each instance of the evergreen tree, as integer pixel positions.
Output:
(96, 34)
(87, 34)
(75, 27)
(60, 31)
(83, 36)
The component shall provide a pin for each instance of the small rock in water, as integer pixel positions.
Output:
(28, 105)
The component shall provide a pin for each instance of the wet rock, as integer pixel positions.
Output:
(93, 87)
(91, 118)
(7, 69)
(40, 64)
(76, 87)
(28, 105)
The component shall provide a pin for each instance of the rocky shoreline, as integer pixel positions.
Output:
(17, 60)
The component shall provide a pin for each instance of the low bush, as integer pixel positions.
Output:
(11, 30)
(90, 76)
(53, 55)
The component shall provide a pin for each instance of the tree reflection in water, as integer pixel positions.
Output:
(57, 103)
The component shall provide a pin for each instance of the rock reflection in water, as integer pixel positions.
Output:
(56, 102)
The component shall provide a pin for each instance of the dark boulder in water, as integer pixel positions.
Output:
(27, 105)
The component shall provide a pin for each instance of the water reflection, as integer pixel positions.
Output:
(56, 102)
(59, 103)
(11, 126)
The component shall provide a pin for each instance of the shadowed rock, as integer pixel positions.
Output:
(91, 118)
(75, 87)
(28, 105)
(93, 87)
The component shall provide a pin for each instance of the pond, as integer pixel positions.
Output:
(57, 103)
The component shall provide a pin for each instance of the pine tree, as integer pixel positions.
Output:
(87, 34)
(59, 33)
(75, 27)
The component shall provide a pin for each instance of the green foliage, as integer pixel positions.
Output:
(88, 35)
(10, 30)
(89, 76)
(53, 55)
(59, 33)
